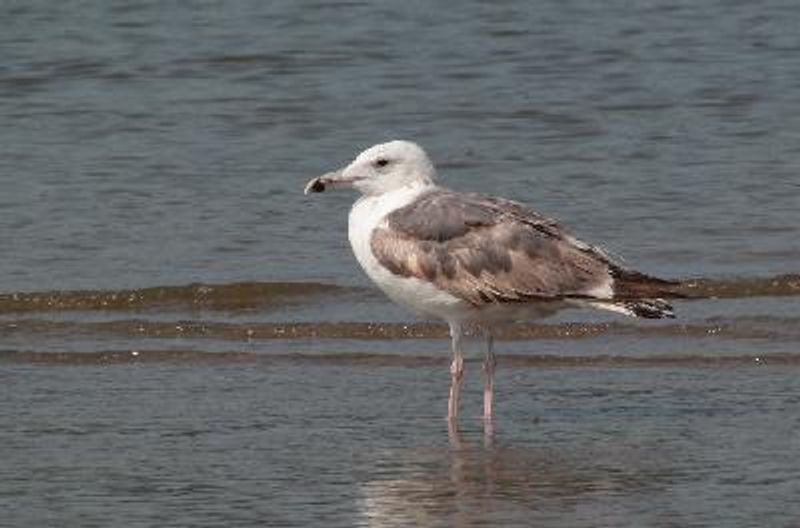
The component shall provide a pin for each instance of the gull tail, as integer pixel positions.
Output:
(644, 308)
(640, 295)
(648, 309)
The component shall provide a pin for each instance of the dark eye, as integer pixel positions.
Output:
(381, 162)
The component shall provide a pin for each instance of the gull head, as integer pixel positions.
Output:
(380, 169)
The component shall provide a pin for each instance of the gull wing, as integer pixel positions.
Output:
(487, 250)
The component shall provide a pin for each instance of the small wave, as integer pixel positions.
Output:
(188, 356)
(231, 296)
(781, 328)
(777, 286)
(237, 296)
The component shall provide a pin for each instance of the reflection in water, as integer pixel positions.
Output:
(479, 484)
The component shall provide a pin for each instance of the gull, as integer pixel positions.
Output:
(475, 260)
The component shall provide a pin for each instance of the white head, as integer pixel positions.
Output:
(379, 169)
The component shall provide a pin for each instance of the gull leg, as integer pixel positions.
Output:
(454, 435)
(456, 375)
(489, 365)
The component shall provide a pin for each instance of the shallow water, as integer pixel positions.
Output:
(185, 339)
(299, 444)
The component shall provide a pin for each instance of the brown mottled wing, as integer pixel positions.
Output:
(487, 250)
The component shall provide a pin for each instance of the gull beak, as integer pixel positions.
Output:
(330, 180)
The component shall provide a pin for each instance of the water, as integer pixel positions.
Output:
(185, 339)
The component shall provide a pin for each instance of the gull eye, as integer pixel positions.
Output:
(381, 162)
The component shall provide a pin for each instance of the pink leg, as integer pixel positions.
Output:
(456, 374)
(489, 365)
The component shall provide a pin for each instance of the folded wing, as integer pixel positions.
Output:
(487, 250)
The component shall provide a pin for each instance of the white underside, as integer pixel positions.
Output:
(418, 295)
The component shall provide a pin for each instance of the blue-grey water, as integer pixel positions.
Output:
(186, 339)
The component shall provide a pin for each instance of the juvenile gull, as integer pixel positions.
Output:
(473, 259)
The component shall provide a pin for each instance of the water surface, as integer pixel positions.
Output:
(185, 339)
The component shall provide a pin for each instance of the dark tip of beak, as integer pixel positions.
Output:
(314, 186)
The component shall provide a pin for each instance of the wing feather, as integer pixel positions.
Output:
(488, 250)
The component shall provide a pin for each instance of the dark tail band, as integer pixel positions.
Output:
(649, 308)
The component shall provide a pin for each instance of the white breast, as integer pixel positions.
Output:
(370, 212)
